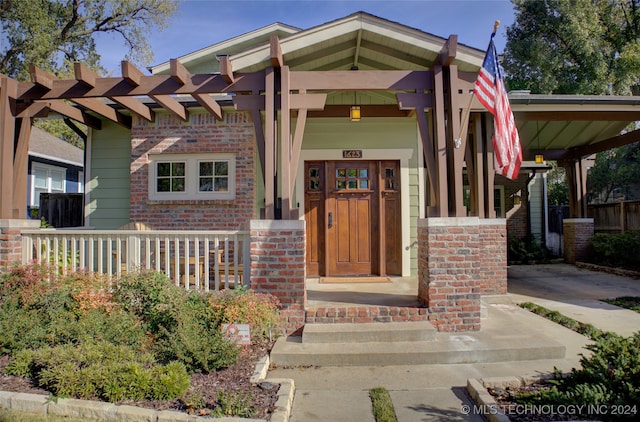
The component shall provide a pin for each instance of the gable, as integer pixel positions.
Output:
(359, 40)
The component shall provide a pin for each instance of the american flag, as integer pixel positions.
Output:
(490, 91)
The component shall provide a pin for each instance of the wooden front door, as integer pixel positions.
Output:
(352, 210)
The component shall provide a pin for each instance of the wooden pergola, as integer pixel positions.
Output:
(274, 98)
(281, 100)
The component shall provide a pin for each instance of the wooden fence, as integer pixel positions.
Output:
(615, 217)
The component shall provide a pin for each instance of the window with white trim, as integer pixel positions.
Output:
(191, 176)
(46, 179)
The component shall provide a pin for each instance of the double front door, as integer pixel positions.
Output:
(352, 211)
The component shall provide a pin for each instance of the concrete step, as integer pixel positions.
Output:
(381, 332)
(446, 349)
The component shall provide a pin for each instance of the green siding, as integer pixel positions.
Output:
(109, 181)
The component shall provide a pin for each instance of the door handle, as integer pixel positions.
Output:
(330, 219)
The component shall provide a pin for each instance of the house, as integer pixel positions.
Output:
(350, 148)
(55, 166)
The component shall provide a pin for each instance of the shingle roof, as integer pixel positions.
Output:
(44, 145)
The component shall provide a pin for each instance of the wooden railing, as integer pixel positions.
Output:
(207, 260)
(616, 217)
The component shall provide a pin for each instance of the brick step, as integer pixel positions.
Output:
(365, 314)
(381, 332)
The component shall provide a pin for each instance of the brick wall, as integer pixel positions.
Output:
(11, 241)
(201, 134)
(448, 282)
(577, 232)
(278, 266)
(492, 270)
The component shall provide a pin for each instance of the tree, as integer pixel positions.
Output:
(557, 188)
(615, 174)
(574, 47)
(52, 34)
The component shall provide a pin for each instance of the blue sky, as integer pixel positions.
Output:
(200, 23)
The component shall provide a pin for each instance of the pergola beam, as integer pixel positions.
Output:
(226, 70)
(448, 51)
(275, 52)
(172, 105)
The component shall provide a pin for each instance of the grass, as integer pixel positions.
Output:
(579, 327)
(628, 302)
(383, 410)
(13, 416)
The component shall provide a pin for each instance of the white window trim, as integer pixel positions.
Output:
(191, 172)
(49, 168)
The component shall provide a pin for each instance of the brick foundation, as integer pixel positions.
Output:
(11, 241)
(448, 263)
(492, 269)
(577, 232)
(278, 266)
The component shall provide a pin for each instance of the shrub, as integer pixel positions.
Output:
(47, 310)
(151, 296)
(616, 250)
(100, 370)
(183, 324)
(195, 337)
(527, 252)
(244, 306)
(610, 375)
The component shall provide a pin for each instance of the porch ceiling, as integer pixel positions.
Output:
(573, 126)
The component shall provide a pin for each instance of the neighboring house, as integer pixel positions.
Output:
(55, 166)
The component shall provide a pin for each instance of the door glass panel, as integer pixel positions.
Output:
(341, 184)
(314, 185)
(363, 173)
(352, 172)
(389, 179)
(341, 173)
(352, 184)
(364, 184)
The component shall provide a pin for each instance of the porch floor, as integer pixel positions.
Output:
(360, 302)
(400, 291)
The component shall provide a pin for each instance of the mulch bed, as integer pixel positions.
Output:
(234, 379)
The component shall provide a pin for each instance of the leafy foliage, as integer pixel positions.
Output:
(616, 250)
(52, 34)
(574, 47)
(610, 375)
(557, 186)
(244, 306)
(78, 335)
(100, 370)
(383, 410)
(527, 252)
(615, 175)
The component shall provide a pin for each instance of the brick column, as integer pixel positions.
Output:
(448, 279)
(493, 256)
(576, 233)
(278, 266)
(11, 241)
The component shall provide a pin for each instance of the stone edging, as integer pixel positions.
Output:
(609, 270)
(98, 410)
(484, 402)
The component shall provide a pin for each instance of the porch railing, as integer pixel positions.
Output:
(207, 260)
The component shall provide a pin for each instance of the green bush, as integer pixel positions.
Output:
(78, 336)
(49, 310)
(100, 370)
(151, 296)
(610, 375)
(527, 252)
(195, 338)
(616, 250)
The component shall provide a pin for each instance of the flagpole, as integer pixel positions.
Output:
(465, 120)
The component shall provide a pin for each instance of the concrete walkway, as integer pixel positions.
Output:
(437, 392)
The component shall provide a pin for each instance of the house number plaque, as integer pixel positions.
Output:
(351, 153)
